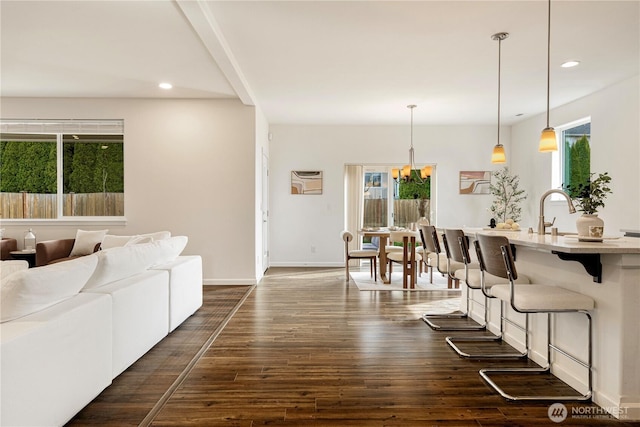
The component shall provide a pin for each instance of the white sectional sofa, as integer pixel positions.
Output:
(59, 349)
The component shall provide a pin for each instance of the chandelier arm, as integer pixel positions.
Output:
(412, 162)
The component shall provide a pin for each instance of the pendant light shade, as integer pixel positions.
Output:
(498, 155)
(426, 172)
(548, 141)
(406, 171)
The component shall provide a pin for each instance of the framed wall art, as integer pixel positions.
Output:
(306, 182)
(475, 182)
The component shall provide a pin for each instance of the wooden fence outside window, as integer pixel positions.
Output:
(44, 206)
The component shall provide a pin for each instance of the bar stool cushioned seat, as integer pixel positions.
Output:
(543, 297)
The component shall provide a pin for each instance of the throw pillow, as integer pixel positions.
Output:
(111, 241)
(12, 266)
(122, 262)
(137, 240)
(35, 289)
(158, 235)
(86, 242)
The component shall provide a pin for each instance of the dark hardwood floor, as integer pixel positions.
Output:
(306, 348)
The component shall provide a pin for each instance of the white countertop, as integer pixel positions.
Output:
(566, 244)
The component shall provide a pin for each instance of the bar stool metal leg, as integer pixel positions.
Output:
(453, 341)
(460, 254)
(487, 373)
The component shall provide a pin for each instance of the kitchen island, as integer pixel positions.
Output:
(608, 272)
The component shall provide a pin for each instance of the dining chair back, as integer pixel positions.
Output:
(359, 254)
(408, 257)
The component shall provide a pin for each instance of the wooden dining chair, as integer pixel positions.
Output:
(370, 254)
(408, 257)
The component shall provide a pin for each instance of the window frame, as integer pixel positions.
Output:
(558, 157)
(59, 128)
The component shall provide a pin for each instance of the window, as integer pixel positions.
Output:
(572, 162)
(57, 169)
(409, 201)
(376, 198)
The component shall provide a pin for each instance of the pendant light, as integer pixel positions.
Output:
(548, 141)
(405, 172)
(498, 155)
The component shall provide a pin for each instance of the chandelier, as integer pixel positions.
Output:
(406, 172)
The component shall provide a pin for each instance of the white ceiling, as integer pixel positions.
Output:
(322, 62)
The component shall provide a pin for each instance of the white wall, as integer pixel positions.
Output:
(299, 222)
(615, 148)
(189, 168)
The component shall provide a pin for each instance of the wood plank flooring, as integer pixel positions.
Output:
(307, 348)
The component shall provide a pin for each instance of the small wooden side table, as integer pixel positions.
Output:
(28, 255)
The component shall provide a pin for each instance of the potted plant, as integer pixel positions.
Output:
(507, 197)
(588, 198)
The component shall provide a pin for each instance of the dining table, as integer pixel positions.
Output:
(383, 233)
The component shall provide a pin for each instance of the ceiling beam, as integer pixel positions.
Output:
(204, 24)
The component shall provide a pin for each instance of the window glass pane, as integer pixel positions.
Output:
(93, 175)
(28, 179)
(412, 200)
(376, 198)
(576, 154)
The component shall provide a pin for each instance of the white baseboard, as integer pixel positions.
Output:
(306, 264)
(221, 282)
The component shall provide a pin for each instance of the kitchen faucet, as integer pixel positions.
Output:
(542, 225)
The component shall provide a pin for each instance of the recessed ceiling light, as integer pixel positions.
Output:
(570, 64)
(165, 85)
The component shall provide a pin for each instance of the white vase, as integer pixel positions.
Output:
(585, 221)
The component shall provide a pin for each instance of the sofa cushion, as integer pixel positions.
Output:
(10, 267)
(35, 289)
(122, 262)
(113, 241)
(55, 361)
(185, 287)
(86, 242)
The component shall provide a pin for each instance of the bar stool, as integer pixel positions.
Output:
(408, 257)
(533, 298)
(370, 254)
(472, 276)
(431, 245)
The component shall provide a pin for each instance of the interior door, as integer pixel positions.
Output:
(265, 212)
